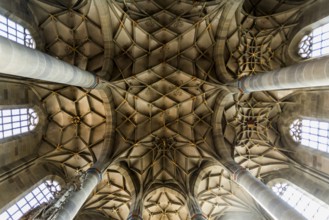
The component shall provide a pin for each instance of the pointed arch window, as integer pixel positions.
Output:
(311, 133)
(43, 193)
(308, 205)
(316, 43)
(17, 121)
(15, 32)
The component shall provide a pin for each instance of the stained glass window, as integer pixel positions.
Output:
(39, 195)
(316, 43)
(306, 204)
(17, 121)
(15, 32)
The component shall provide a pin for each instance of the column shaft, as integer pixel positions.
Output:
(136, 209)
(76, 200)
(265, 197)
(313, 73)
(194, 208)
(19, 60)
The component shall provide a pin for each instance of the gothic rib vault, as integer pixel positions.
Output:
(166, 63)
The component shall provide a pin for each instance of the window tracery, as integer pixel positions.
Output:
(43, 193)
(311, 133)
(17, 121)
(15, 32)
(306, 204)
(316, 43)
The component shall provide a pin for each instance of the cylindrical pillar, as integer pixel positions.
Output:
(76, 199)
(265, 197)
(194, 208)
(136, 209)
(19, 60)
(313, 73)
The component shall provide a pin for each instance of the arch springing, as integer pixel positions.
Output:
(311, 133)
(15, 32)
(316, 43)
(43, 193)
(303, 202)
(17, 121)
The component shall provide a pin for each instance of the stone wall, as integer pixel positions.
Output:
(308, 104)
(20, 148)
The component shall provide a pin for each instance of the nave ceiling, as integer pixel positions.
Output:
(165, 103)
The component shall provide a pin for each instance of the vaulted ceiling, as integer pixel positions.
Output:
(166, 63)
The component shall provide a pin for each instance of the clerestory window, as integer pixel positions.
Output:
(316, 43)
(308, 205)
(311, 133)
(17, 121)
(39, 195)
(15, 32)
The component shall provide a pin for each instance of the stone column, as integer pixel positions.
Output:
(136, 209)
(194, 208)
(19, 60)
(265, 197)
(313, 73)
(75, 200)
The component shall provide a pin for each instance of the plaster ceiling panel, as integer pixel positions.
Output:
(181, 25)
(112, 195)
(164, 17)
(77, 144)
(149, 24)
(94, 31)
(191, 53)
(251, 123)
(84, 106)
(61, 119)
(180, 8)
(71, 28)
(187, 39)
(97, 133)
(67, 105)
(220, 196)
(85, 134)
(79, 129)
(71, 19)
(137, 51)
(91, 11)
(186, 65)
(90, 49)
(141, 64)
(56, 48)
(50, 27)
(150, 7)
(165, 204)
(164, 35)
(144, 40)
(53, 128)
(179, 95)
(68, 133)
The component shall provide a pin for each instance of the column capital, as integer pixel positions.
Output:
(95, 171)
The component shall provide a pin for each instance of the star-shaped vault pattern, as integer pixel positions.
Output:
(220, 196)
(165, 62)
(250, 131)
(77, 118)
